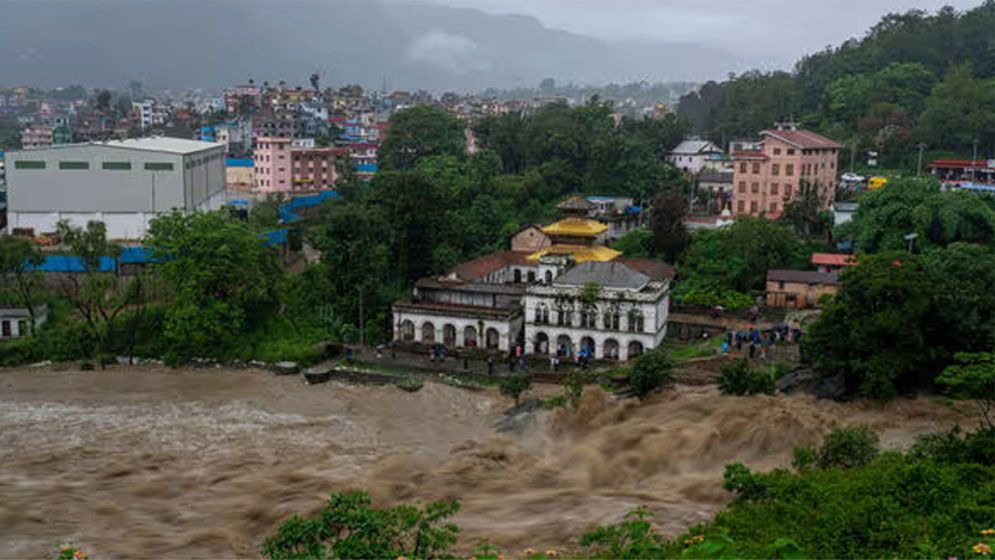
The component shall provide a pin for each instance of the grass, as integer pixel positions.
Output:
(684, 351)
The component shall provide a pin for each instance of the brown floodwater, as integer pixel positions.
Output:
(148, 462)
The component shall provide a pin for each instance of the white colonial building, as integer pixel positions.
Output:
(691, 156)
(609, 310)
(567, 294)
(478, 304)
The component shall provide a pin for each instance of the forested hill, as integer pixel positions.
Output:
(914, 77)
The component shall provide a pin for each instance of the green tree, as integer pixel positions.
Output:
(221, 280)
(96, 293)
(350, 528)
(18, 260)
(910, 205)
(960, 111)
(637, 243)
(973, 377)
(650, 371)
(806, 211)
(419, 132)
(872, 331)
(513, 386)
(667, 223)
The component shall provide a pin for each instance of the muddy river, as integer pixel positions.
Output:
(148, 462)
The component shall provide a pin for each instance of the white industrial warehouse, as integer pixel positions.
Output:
(123, 183)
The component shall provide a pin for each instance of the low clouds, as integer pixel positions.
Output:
(454, 53)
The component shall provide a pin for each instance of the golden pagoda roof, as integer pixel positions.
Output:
(577, 227)
(581, 253)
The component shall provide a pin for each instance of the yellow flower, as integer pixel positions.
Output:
(79, 555)
(528, 552)
(500, 557)
(988, 532)
(982, 549)
(551, 553)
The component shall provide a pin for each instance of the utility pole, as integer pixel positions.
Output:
(921, 147)
(362, 326)
(974, 159)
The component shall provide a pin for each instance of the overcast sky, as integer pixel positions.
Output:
(766, 32)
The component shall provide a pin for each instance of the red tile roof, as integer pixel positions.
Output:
(831, 259)
(482, 266)
(959, 163)
(805, 139)
(657, 270)
(803, 277)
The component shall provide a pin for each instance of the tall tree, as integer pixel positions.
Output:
(221, 280)
(96, 292)
(667, 223)
(420, 132)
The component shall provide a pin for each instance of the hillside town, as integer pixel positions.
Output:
(745, 317)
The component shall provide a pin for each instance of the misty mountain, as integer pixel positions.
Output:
(409, 44)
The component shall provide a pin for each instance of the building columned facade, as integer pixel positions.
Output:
(560, 292)
(765, 180)
(612, 310)
(123, 183)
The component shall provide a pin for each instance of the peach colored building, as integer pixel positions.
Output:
(799, 289)
(283, 166)
(765, 180)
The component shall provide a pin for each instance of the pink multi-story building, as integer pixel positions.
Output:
(284, 165)
(765, 180)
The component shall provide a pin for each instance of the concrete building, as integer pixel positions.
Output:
(15, 322)
(799, 289)
(123, 183)
(691, 156)
(533, 298)
(36, 136)
(627, 316)
(767, 179)
(285, 165)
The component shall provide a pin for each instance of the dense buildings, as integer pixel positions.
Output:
(123, 183)
(766, 179)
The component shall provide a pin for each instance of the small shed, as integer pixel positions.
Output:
(15, 322)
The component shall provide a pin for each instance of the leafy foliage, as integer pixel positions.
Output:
(739, 378)
(845, 448)
(722, 266)
(852, 504)
(221, 280)
(514, 385)
(650, 371)
(973, 377)
(898, 319)
(909, 205)
(420, 132)
(634, 537)
(350, 528)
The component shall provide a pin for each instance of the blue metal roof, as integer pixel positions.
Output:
(367, 167)
(66, 263)
(135, 255)
(239, 162)
(287, 211)
(239, 202)
(601, 198)
(275, 237)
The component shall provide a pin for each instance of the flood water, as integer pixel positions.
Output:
(147, 462)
